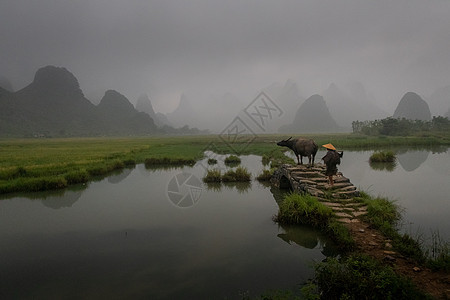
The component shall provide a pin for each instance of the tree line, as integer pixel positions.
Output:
(400, 127)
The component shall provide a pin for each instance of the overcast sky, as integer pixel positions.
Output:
(165, 48)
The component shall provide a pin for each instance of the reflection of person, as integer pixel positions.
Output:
(331, 160)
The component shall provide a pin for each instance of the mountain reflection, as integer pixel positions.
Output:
(411, 160)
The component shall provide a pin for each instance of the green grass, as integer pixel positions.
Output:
(265, 175)
(303, 209)
(26, 162)
(382, 157)
(212, 176)
(359, 277)
(232, 160)
(241, 174)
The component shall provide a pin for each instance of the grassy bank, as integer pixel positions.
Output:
(43, 164)
(385, 216)
(355, 275)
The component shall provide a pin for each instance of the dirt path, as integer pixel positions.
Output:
(373, 243)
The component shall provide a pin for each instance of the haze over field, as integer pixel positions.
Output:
(214, 52)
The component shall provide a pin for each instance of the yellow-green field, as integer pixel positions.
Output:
(43, 164)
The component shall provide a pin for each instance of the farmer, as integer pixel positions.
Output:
(331, 160)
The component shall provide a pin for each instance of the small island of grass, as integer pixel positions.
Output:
(382, 157)
(232, 160)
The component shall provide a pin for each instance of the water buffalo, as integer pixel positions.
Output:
(301, 147)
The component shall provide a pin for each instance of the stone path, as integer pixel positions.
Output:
(312, 180)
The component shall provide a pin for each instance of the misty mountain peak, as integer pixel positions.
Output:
(145, 105)
(312, 116)
(57, 80)
(413, 107)
(115, 100)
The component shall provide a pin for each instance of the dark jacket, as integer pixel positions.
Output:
(331, 160)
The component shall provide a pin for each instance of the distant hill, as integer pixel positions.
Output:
(144, 104)
(447, 114)
(121, 118)
(412, 107)
(54, 105)
(312, 116)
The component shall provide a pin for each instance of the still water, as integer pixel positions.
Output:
(163, 234)
(419, 182)
(126, 237)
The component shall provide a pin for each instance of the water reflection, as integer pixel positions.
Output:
(411, 160)
(119, 175)
(66, 200)
(128, 232)
(383, 166)
(55, 199)
(241, 187)
(307, 237)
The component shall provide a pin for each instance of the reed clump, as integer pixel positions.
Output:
(265, 175)
(232, 160)
(382, 157)
(303, 209)
(213, 176)
(241, 174)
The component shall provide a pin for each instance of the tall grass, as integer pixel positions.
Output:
(303, 209)
(212, 176)
(232, 160)
(359, 277)
(382, 157)
(265, 175)
(241, 174)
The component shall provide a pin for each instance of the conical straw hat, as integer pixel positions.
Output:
(329, 146)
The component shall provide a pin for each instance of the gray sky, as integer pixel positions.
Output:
(165, 48)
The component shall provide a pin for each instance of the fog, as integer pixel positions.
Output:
(205, 49)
